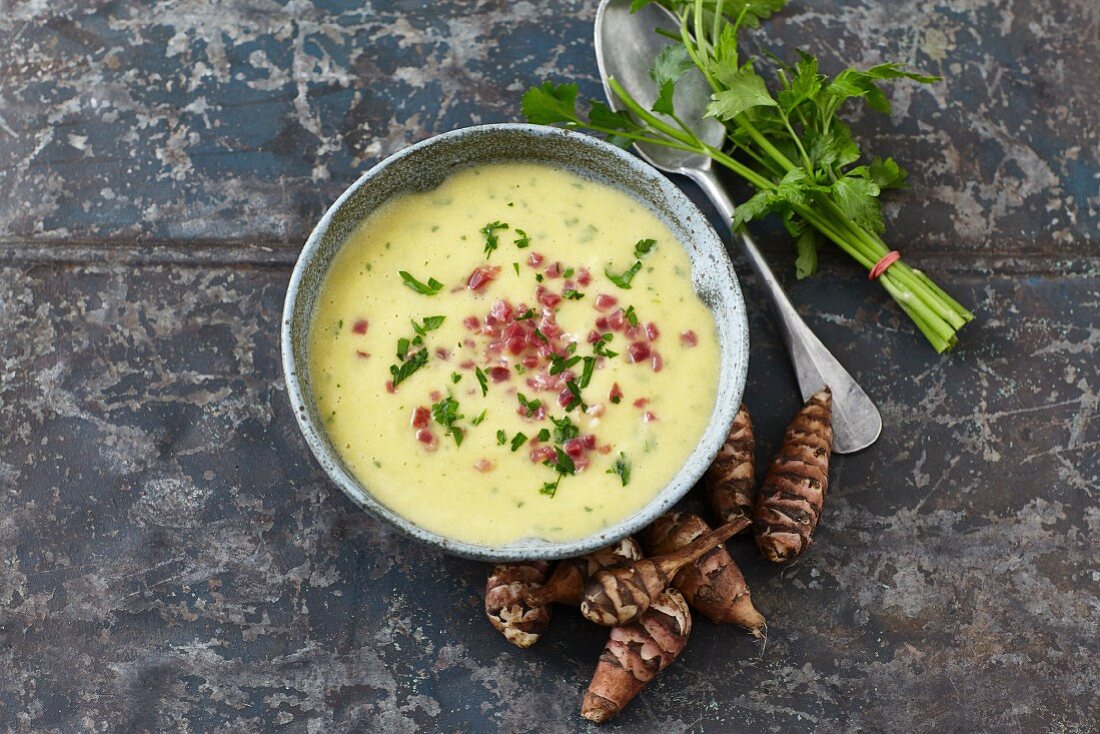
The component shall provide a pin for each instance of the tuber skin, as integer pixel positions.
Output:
(789, 503)
(731, 479)
(520, 623)
(566, 584)
(619, 595)
(635, 653)
(713, 584)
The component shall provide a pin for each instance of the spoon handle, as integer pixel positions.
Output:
(856, 420)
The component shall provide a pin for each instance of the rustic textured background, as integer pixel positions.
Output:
(171, 558)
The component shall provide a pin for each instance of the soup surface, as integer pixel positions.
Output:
(517, 353)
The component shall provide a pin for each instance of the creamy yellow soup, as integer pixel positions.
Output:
(517, 353)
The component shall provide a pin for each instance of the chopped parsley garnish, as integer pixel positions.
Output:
(430, 323)
(540, 335)
(402, 348)
(528, 314)
(559, 364)
(623, 280)
(571, 295)
(502, 437)
(480, 418)
(564, 429)
(516, 266)
(491, 239)
(523, 240)
(456, 377)
(568, 273)
(586, 371)
(631, 317)
(481, 380)
(530, 407)
(600, 347)
(575, 391)
(642, 247)
(544, 435)
(538, 277)
(408, 367)
(445, 413)
(621, 467)
(517, 441)
(430, 288)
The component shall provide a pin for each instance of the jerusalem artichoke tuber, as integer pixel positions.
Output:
(731, 479)
(789, 503)
(713, 584)
(635, 653)
(520, 623)
(618, 595)
(567, 582)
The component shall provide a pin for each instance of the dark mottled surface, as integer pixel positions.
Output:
(171, 559)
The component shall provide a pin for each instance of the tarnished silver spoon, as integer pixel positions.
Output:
(626, 45)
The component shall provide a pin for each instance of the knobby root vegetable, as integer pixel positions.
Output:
(731, 479)
(789, 503)
(618, 595)
(520, 623)
(713, 584)
(566, 584)
(635, 653)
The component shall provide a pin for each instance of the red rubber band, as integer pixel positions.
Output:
(881, 266)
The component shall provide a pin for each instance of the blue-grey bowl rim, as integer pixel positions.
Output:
(688, 475)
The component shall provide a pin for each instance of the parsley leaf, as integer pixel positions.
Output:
(642, 247)
(623, 279)
(481, 380)
(430, 288)
(445, 413)
(502, 437)
(408, 367)
(621, 467)
(491, 239)
(517, 441)
(523, 240)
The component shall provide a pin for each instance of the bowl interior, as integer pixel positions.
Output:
(424, 166)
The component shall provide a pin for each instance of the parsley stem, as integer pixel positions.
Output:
(656, 122)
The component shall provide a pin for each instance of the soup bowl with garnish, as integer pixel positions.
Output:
(514, 342)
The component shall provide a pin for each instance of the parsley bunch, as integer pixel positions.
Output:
(786, 140)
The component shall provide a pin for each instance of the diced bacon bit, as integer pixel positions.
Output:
(467, 364)
(593, 337)
(574, 448)
(616, 393)
(427, 438)
(648, 417)
(553, 271)
(605, 449)
(360, 327)
(641, 402)
(651, 331)
(601, 324)
(634, 332)
(516, 345)
(469, 343)
(443, 353)
(596, 410)
(543, 453)
(638, 351)
(579, 465)
(421, 417)
(604, 302)
(484, 465)
(568, 285)
(481, 276)
(616, 320)
(657, 362)
(547, 298)
(389, 387)
(688, 338)
(531, 362)
(361, 354)
(565, 397)
(589, 441)
(534, 259)
(583, 277)
(436, 396)
(501, 311)
(499, 374)
(473, 323)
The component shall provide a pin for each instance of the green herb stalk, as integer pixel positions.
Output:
(788, 144)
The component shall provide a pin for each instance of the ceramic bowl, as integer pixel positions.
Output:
(424, 166)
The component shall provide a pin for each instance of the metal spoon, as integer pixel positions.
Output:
(626, 45)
